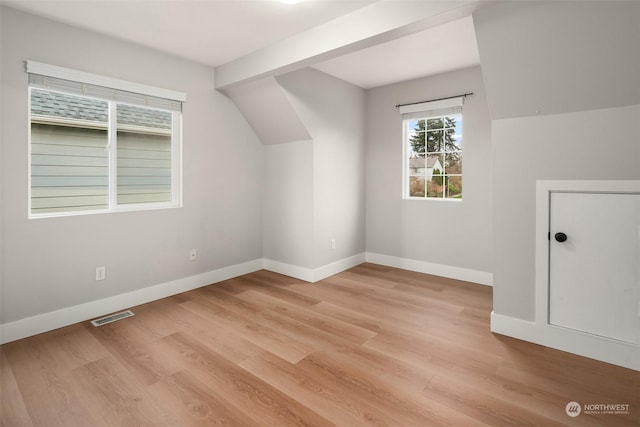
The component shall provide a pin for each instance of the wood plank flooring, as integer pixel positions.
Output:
(372, 346)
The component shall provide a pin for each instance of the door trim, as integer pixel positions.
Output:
(595, 347)
(584, 344)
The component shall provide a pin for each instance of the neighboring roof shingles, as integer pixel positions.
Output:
(59, 105)
(63, 106)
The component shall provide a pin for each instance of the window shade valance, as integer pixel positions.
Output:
(56, 78)
(437, 108)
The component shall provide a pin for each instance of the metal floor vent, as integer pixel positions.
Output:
(112, 318)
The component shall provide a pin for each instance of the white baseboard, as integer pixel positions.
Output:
(290, 270)
(338, 266)
(79, 313)
(458, 273)
(592, 346)
(313, 275)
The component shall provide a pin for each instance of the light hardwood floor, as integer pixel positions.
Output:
(370, 346)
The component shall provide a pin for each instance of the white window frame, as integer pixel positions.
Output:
(115, 85)
(424, 111)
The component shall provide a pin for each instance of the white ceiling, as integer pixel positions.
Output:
(214, 32)
(447, 47)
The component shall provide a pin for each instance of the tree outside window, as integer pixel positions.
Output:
(434, 148)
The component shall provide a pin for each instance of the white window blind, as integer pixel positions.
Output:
(52, 77)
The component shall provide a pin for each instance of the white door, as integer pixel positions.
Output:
(594, 275)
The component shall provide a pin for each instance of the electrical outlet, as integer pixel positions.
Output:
(333, 244)
(101, 273)
(193, 255)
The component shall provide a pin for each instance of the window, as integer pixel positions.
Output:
(432, 139)
(101, 145)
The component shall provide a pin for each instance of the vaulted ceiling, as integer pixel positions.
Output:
(219, 32)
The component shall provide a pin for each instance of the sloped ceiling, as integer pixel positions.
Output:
(541, 58)
(269, 112)
(219, 32)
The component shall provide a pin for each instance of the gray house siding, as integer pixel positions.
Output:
(70, 154)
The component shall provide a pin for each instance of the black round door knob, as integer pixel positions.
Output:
(560, 237)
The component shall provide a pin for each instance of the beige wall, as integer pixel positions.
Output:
(332, 111)
(562, 79)
(447, 233)
(49, 264)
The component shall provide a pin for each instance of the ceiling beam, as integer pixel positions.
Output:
(377, 23)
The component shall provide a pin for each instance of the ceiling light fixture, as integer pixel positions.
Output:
(290, 1)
